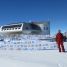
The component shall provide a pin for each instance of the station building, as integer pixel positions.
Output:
(41, 28)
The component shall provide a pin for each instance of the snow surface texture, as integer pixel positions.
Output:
(37, 45)
(28, 58)
(31, 53)
(28, 42)
(26, 45)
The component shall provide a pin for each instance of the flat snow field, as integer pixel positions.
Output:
(32, 58)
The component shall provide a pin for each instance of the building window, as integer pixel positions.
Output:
(9, 28)
(5, 29)
(15, 28)
(46, 28)
(18, 27)
(2, 29)
(12, 28)
(27, 28)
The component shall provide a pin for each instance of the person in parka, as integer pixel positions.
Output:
(60, 40)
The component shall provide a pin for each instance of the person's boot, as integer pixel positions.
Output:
(63, 50)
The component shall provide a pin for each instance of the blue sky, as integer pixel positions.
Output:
(54, 11)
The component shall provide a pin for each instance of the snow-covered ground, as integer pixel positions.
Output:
(31, 53)
(32, 58)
